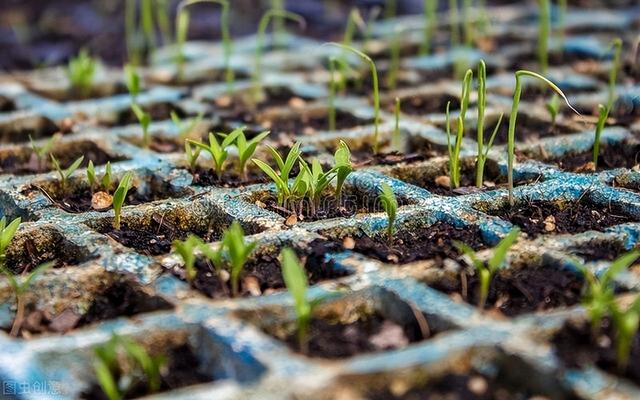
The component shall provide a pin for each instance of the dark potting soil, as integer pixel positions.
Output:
(538, 217)
(621, 155)
(182, 369)
(266, 270)
(460, 386)
(522, 290)
(80, 201)
(364, 157)
(327, 209)
(25, 163)
(422, 105)
(370, 333)
(601, 250)
(528, 130)
(159, 111)
(153, 240)
(577, 347)
(306, 124)
(435, 242)
(230, 179)
(122, 299)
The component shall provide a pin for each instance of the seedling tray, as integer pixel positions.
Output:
(242, 346)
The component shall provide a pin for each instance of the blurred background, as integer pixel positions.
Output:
(35, 33)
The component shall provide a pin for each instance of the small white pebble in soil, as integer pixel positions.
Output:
(550, 223)
(348, 243)
(291, 220)
(391, 335)
(478, 385)
(101, 200)
(443, 181)
(252, 285)
(224, 275)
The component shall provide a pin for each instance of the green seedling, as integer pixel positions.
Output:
(281, 178)
(430, 25)
(278, 22)
(258, 95)
(315, 182)
(613, 74)
(603, 114)
(295, 278)
(626, 322)
(394, 63)
(42, 152)
(146, 20)
(218, 151)
(133, 48)
(20, 286)
(162, 18)
(141, 368)
(237, 252)
(487, 270)
(354, 21)
(7, 232)
(342, 167)
(81, 71)
(185, 128)
(390, 206)
(132, 80)
(455, 148)
(191, 155)
(562, 18)
(187, 250)
(390, 8)
(65, 173)
(467, 23)
(553, 106)
(396, 142)
(544, 28)
(600, 290)
(376, 92)
(144, 118)
(483, 151)
(333, 88)
(514, 115)
(119, 196)
(246, 148)
(454, 20)
(182, 26)
(93, 178)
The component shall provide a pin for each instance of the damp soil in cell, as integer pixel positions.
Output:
(425, 104)
(620, 155)
(26, 162)
(308, 123)
(521, 290)
(369, 333)
(606, 250)
(83, 199)
(156, 238)
(230, 179)
(183, 367)
(121, 299)
(327, 208)
(264, 274)
(578, 346)
(472, 385)
(540, 217)
(436, 242)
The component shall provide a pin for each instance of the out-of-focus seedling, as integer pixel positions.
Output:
(487, 270)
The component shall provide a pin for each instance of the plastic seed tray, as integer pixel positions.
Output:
(240, 343)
